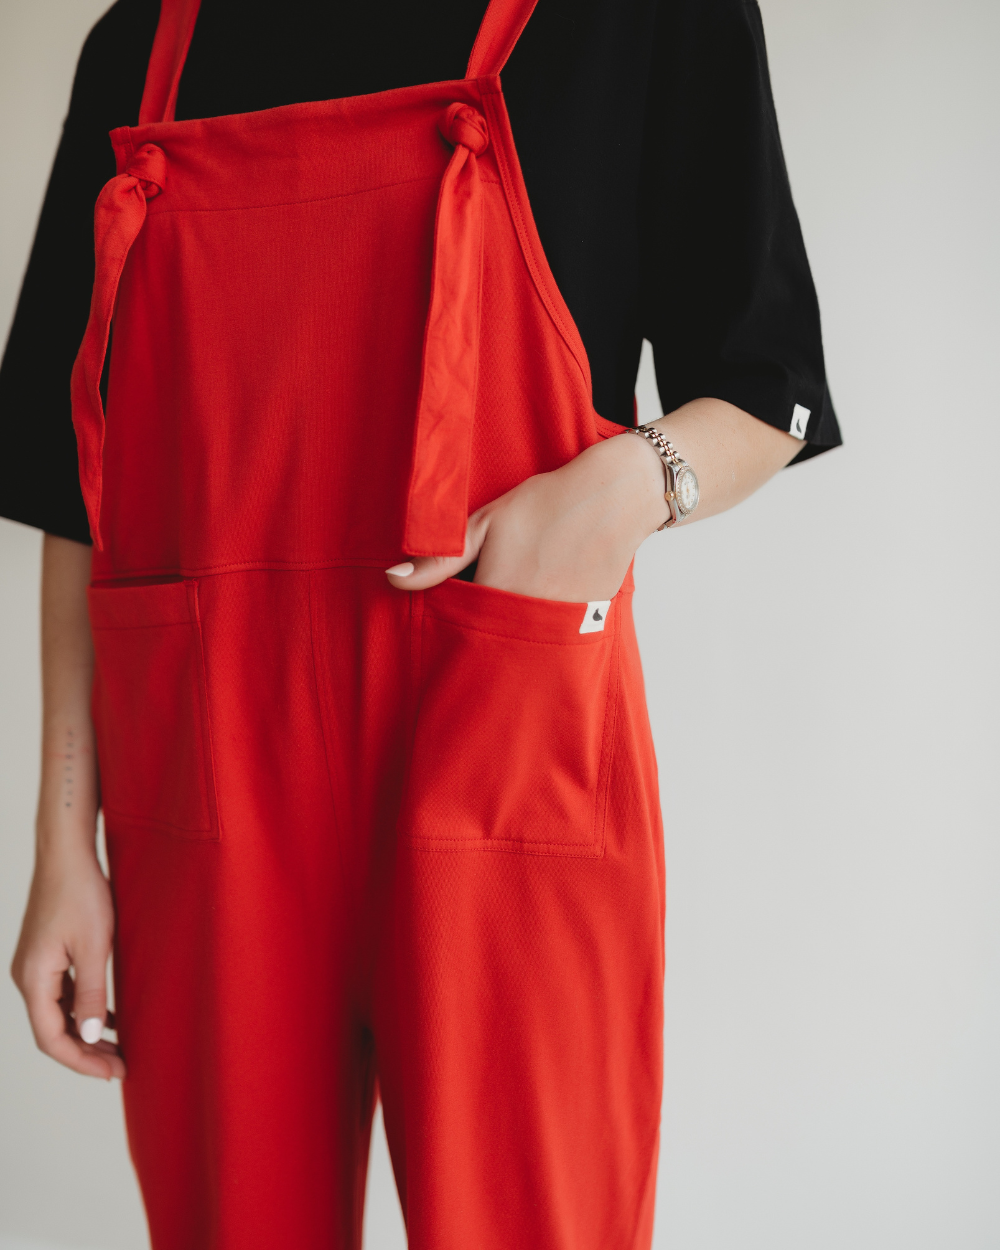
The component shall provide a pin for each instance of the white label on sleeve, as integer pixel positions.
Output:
(595, 616)
(800, 419)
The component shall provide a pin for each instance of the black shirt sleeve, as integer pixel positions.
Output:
(727, 300)
(39, 481)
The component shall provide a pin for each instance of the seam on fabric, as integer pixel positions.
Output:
(418, 615)
(599, 826)
(194, 608)
(541, 642)
(320, 199)
(108, 580)
(151, 625)
(569, 850)
(127, 143)
(250, 566)
(169, 830)
(591, 640)
(527, 252)
(611, 726)
(322, 721)
(414, 689)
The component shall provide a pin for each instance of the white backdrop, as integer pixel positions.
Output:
(822, 673)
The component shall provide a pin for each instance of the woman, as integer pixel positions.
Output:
(378, 786)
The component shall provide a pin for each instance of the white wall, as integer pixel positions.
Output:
(822, 673)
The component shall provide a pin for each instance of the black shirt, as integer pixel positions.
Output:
(650, 149)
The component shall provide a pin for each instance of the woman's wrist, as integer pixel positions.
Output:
(58, 841)
(66, 822)
(642, 483)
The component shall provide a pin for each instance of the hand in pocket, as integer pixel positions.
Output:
(567, 535)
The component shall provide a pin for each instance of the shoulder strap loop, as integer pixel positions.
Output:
(500, 31)
(170, 48)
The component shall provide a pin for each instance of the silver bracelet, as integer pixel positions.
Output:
(681, 494)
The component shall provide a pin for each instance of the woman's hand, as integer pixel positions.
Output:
(69, 919)
(69, 923)
(570, 534)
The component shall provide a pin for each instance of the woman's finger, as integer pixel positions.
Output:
(43, 995)
(90, 995)
(422, 572)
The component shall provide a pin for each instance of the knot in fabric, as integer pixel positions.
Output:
(462, 124)
(149, 167)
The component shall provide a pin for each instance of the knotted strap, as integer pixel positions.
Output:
(437, 504)
(118, 217)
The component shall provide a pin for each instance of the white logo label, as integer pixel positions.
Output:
(800, 419)
(595, 616)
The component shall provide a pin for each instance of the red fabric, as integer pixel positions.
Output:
(118, 217)
(357, 835)
(548, 690)
(170, 46)
(500, 30)
(437, 506)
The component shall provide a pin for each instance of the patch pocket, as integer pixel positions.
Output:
(151, 710)
(514, 700)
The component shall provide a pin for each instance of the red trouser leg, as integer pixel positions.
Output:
(518, 1017)
(242, 963)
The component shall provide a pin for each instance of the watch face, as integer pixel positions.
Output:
(686, 487)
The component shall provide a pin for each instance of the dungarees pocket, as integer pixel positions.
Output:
(514, 702)
(150, 709)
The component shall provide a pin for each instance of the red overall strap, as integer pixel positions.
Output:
(118, 217)
(437, 505)
(502, 25)
(166, 61)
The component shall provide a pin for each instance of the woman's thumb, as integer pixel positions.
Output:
(422, 572)
(90, 1002)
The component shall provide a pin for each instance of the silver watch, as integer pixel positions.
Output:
(681, 494)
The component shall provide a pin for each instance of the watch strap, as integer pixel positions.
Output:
(671, 461)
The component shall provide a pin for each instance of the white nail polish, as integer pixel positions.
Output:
(401, 570)
(91, 1030)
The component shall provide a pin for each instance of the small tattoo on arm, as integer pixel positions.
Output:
(69, 775)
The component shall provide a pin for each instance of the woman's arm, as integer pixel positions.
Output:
(571, 534)
(69, 920)
(736, 453)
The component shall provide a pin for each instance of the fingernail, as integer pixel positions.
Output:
(401, 570)
(91, 1030)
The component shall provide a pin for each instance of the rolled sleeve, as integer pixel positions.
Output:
(728, 299)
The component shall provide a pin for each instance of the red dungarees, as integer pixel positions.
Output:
(360, 839)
